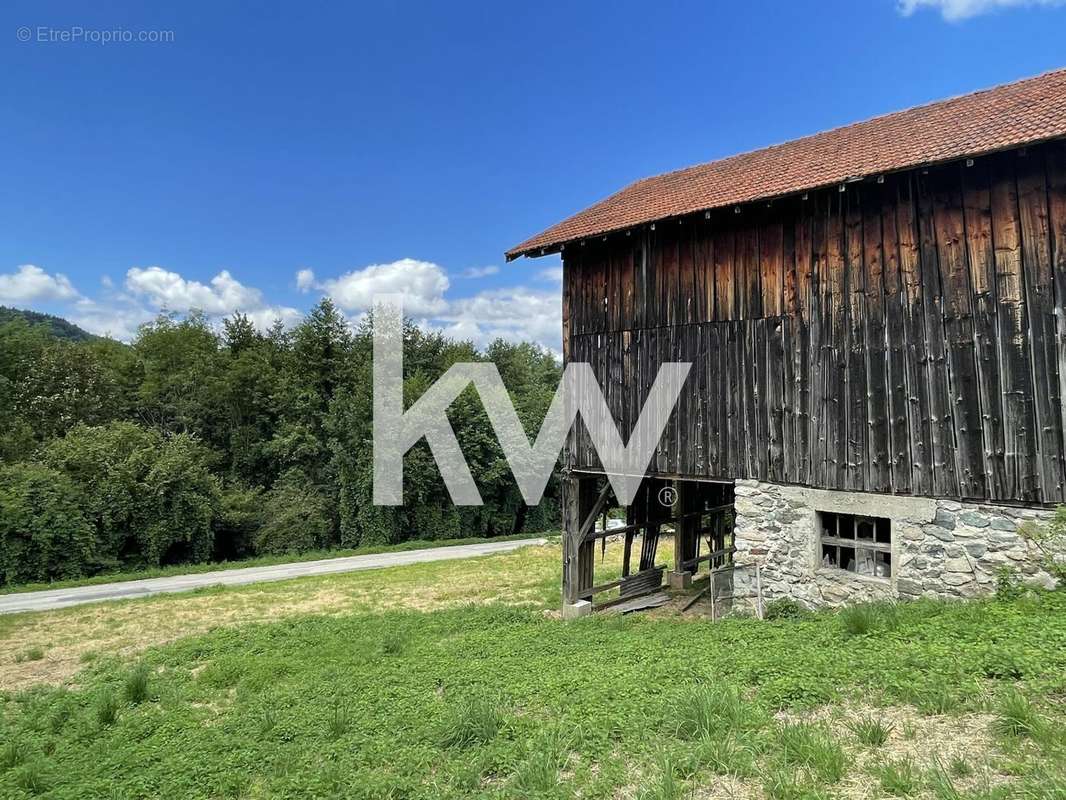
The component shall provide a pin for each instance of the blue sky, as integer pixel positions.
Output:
(269, 154)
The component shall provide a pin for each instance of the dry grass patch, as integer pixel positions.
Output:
(930, 743)
(124, 628)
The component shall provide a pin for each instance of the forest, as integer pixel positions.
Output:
(195, 443)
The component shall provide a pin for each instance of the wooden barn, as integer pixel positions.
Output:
(874, 317)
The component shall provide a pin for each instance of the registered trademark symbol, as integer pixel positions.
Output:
(668, 495)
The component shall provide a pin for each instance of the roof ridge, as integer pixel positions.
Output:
(858, 123)
(1008, 115)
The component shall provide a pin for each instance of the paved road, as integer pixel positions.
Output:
(61, 598)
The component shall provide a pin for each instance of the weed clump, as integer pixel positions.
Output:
(864, 618)
(340, 721)
(470, 722)
(13, 753)
(900, 778)
(106, 709)
(135, 690)
(30, 654)
(871, 732)
(785, 608)
(813, 749)
(708, 711)
(1016, 717)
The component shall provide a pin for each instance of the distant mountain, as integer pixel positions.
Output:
(57, 326)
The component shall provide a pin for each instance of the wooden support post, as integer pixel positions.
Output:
(578, 499)
(758, 590)
(686, 533)
(714, 604)
(627, 554)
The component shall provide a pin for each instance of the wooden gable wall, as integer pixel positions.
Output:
(901, 337)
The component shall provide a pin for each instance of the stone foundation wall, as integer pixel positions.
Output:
(940, 548)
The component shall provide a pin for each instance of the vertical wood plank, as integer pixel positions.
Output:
(945, 480)
(1040, 299)
(878, 459)
(801, 341)
(789, 389)
(948, 223)
(917, 363)
(836, 444)
(819, 347)
(855, 347)
(749, 293)
(1019, 434)
(977, 222)
(771, 273)
(1056, 169)
(899, 391)
(724, 278)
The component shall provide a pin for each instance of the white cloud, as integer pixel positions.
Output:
(552, 274)
(30, 283)
(171, 291)
(479, 272)
(117, 317)
(954, 10)
(422, 284)
(516, 314)
(224, 295)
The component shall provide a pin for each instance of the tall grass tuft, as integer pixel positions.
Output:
(394, 642)
(783, 784)
(936, 699)
(870, 731)
(13, 753)
(31, 778)
(135, 691)
(811, 747)
(106, 709)
(708, 711)
(666, 785)
(940, 784)
(727, 756)
(267, 720)
(900, 778)
(1016, 717)
(864, 618)
(31, 654)
(471, 721)
(538, 774)
(340, 721)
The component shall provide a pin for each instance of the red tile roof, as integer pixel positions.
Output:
(994, 119)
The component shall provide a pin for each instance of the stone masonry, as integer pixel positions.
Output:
(940, 548)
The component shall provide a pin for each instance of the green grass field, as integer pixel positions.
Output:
(456, 679)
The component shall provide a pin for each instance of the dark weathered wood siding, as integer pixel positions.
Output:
(905, 336)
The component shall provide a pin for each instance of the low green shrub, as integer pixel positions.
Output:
(784, 608)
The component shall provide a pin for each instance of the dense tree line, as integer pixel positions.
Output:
(194, 444)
